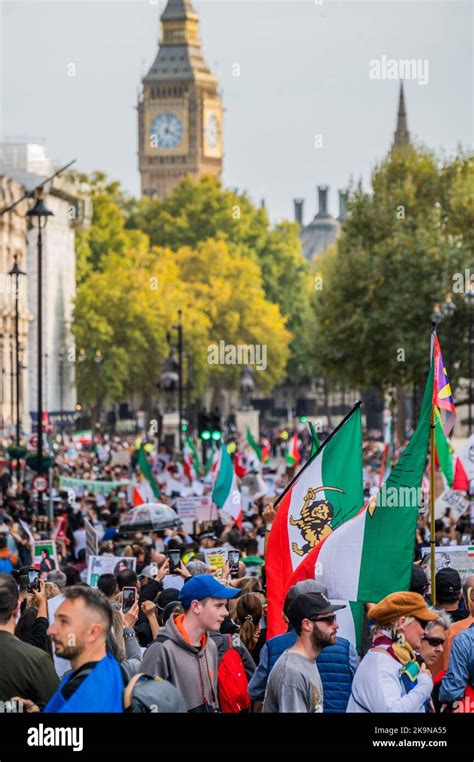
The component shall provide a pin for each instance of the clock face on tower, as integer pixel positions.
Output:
(166, 131)
(212, 131)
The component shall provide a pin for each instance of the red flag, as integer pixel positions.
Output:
(137, 498)
(461, 482)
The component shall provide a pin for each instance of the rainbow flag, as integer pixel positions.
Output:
(442, 395)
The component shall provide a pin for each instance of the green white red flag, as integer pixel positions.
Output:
(293, 455)
(371, 555)
(225, 493)
(326, 492)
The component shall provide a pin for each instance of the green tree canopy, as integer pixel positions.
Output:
(130, 291)
(200, 210)
(398, 254)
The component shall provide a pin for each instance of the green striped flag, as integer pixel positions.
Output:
(327, 491)
(255, 447)
(315, 443)
(145, 468)
(225, 493)
(195, 456)
(443, 450)
(371, 555)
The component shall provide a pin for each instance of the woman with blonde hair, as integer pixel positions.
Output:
(389, 677)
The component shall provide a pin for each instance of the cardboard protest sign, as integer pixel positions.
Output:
(196, 508)
(27, 529)
(49, 548)
(92, 540)
(216, 557)
(121, 458)
(456, 500)
(206, 510)
(98, 565)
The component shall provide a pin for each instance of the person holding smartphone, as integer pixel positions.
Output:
(24, 669)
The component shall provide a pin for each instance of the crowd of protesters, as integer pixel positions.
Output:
(195, 640)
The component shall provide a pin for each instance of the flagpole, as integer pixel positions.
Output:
(313, 456)
(432, 485)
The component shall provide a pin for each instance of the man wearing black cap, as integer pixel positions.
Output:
(419, 581)
(449, 593)
(294, 684)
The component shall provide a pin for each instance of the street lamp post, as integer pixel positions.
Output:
(2, 401)
(61, 390)
(171, 377)
(179, 328)
(15, 272)
(445, 311)
(41, 213)
(448, 307)
(469, 299)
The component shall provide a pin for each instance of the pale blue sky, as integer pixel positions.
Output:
(304, 71)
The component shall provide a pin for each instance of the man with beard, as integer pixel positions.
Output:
(294, 684)
(79, 632)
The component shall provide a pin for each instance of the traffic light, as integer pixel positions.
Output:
(215, 418)
(203, 426)
(303, 418)
(184, 427)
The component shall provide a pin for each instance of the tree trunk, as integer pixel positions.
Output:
(401, 415)
(326, 404)
(147, 407)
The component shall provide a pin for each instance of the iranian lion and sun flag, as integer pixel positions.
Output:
(322, 529)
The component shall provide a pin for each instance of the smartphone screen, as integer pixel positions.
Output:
(33, 577)
(234, 558)
(174, 556)
(128, 598)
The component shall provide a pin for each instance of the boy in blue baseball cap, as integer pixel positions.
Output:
(182, 652)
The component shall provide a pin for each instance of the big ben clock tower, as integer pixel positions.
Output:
(180, 110)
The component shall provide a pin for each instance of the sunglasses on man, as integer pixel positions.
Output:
(329, 619)
(433, 641)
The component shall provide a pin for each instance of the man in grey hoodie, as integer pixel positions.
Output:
(182, 652)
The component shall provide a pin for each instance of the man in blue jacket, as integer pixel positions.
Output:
(460, 672)
(336, 664)
(79, 631)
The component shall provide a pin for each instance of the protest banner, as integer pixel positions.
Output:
(92, 540)
(206, 510)
(49, 546)
(91, 485)
(27, 529)
(455, 500)
(121, 458)
(459, 557)
(216, 557)
(98, 565)
(196, 508)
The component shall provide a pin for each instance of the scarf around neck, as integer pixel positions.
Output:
(402, 652)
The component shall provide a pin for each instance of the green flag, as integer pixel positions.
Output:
(443, 450)
(315, 443)
(195, 456)
(371, 555)
(255, 447)
(145, 468)
(210, 458)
